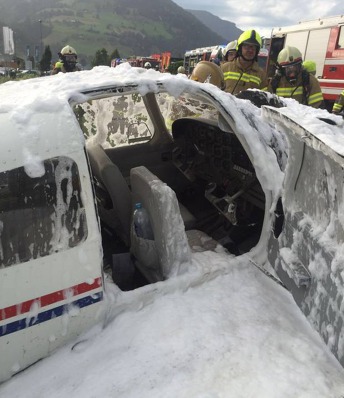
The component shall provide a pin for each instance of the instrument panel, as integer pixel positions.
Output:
(208, 155)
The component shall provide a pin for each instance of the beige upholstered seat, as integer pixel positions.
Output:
(118, 215)
(170, 251)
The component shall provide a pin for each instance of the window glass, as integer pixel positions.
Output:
(40, 216)
(340, 44)
(185, 106)
(262, 61)
(115, 121)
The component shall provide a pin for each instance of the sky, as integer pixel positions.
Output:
(221, 328)
(264, 15)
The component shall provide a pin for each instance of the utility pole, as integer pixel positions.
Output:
(41, 44)
(39, 59)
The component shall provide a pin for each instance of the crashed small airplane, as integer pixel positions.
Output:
(79, 150)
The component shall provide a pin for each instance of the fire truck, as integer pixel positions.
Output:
(320, 40)
(158, 61)
(192, 57)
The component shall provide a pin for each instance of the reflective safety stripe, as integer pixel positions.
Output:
(289, 91)
(317, 97)
(245, 77)
(337, 107)
(292, 92)
(231, 75)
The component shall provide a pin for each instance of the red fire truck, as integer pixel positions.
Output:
(192, 57)
(158, 61)
(320, 40)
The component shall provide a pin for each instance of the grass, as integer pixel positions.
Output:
(89, 33)
(4, 79)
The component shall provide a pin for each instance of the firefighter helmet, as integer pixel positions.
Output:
(249, 37)
(231, 46)
(147, 65)
(289, 56)
(68, 50)
(290, 62)
(310, 66)
(208, 72)
(181, 69)
(69, 58)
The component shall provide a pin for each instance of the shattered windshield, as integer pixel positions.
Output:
(186, 105)
(127, 119)
(119, 120)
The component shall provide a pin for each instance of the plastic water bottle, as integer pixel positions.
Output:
(142, 223)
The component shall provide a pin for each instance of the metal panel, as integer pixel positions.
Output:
(298, 40)
(307, 257)
(316, 48)
(309, 25)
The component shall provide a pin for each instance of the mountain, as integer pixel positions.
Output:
(223, 28)
(133, 27)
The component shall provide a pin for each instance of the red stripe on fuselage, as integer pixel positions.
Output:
(48, 299)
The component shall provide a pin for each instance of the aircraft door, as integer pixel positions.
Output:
(305, 248)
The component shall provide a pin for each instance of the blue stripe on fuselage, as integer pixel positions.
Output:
(44, 316)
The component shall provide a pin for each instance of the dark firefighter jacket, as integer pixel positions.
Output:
(307, 93)
(59, 67)
(238, 79)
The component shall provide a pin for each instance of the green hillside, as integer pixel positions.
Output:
(134, 27)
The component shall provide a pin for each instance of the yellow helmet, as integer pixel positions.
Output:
(68, 50)
(208, 72)
(310, 66)
(181, 69)
(289, 56)
(250, 37)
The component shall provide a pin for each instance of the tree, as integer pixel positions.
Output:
(114, 55)
(101, 58)
(45, 62)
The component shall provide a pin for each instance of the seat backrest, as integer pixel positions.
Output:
(109, 175)
(163, 257)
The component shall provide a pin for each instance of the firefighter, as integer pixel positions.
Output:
(310, 66)
(339, 104)
(208, 72)
(218, 58)
(244, 72)
(67, 61)
(292, 81)
(229, 52)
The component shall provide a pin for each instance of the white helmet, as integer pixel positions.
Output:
(147, 65)
(68, 50)
(290, 62)
(289, 56)
(231, 46)
(181, 69)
